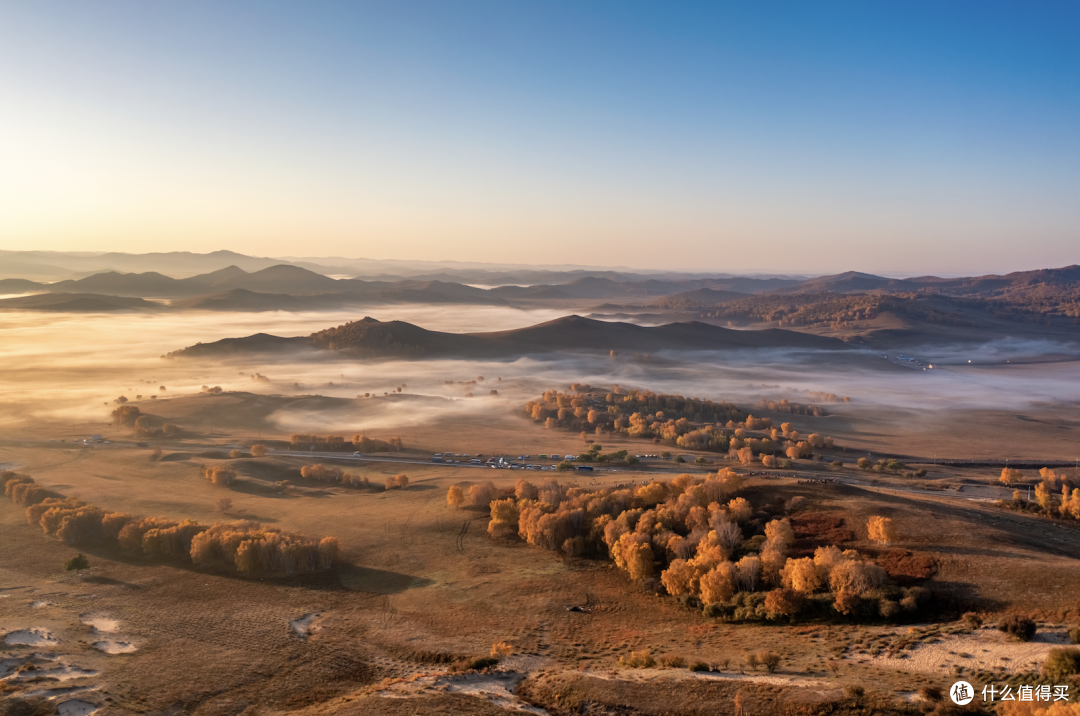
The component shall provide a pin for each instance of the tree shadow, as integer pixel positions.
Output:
(176, 457)
(378, 581)
(97, 579)
(251, 518)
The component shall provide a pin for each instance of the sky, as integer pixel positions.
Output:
(801, 137)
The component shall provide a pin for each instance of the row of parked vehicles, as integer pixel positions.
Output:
(502, 463)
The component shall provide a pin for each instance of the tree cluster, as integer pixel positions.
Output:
(784, 406)
(638, 414)
(690, 535)
(246, 546)
(219, 475)
(338, 443)
(335, 476)
(145, 425)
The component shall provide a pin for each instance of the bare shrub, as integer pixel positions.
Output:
(769, 660)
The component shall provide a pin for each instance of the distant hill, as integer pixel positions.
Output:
(77, 303)
(602, 288)
(20, 285)
(698, 298)
(370, 338)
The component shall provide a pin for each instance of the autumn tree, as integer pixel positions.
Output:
(718, 584)
(1043, 496)
(1010, 476)
(259, 450)
(482, 493)
(801, 575)
(504, 518)
(455, 496)
(220, 475)
(224, 505)
(881, 530)
(397, 482)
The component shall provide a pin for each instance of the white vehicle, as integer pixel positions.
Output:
(570, 457)
(357, 453)
(475, 461)
(438, 454)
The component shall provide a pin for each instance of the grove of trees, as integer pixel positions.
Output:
(334, 475)
(690, 423)
(699, 540)
(337, 443)
(242, 545)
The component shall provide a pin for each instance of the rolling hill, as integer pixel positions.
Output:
(369, 338)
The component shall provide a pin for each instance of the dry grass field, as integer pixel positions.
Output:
(421, 586)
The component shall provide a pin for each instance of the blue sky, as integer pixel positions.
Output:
(912, 137)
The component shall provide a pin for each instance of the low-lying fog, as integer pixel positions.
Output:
(66, 367)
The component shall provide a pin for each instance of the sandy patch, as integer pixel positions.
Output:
(76, 707)
(115, 647)
(983, 649)
(100, 624)
(30, 637)
(38, 604)
(498, 688)
(652, 674)
(306, 625)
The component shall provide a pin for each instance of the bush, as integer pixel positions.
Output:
(971, 620)
(1061, 663)
(888, 608)
(1074, 635)
(673, 662)
(931, 693)
(476, 664)
(699, 666)
(1020, 627)
(501, 648)
(258, 450)
(752, 661)
(638, 660)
